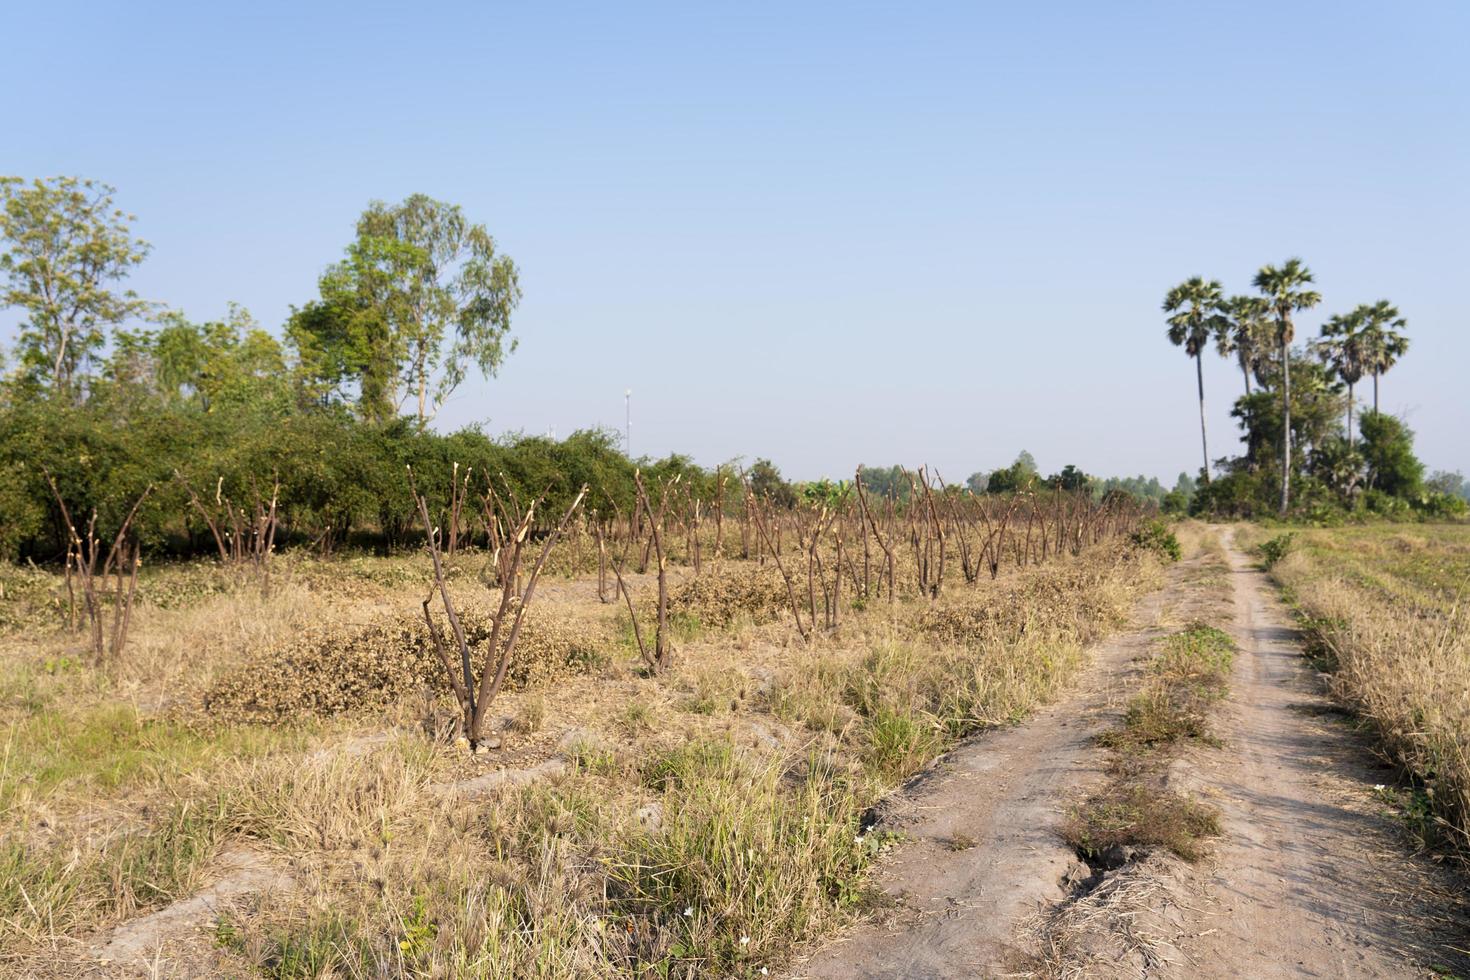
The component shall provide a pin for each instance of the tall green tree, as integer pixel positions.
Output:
(1388, 448)
(1285, 289)
(65, 248)
(1245, 334)
(1194, 307)
(421, 296)
(1342, 348)
(1383, 339)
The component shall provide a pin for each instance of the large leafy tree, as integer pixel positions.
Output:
(1285, 289)
(1315, 414)
(1342, 347)
(200, 365)
(65, 248)
(1383, 339)
(421, 296)
(1246, 334)
(1194, 308)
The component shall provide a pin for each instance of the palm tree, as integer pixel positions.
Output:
(1342, 346)
(1195, 305)
(1247, 322)
(1284, 290)
(1383, 344)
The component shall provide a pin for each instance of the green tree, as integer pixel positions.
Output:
(65, 248)
(1450, 483)
(342, 350)
(201, 365)
(1245, 334)
(1388, 450)
(1018, 477)
(886, 481)
(1195, 307)
(1342, 347)
(1285, 290)
(1071, 478)
(1315, 414)
(421, 296)
(1178, 500)
(766, 481)
(1383, 340)
(1338, 464)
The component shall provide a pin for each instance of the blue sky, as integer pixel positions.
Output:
(820, 233)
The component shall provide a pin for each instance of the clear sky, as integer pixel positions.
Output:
(820, 233)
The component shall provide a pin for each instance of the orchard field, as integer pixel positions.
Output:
(676, 776)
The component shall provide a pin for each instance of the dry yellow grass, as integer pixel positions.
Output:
(731, 788)
(1390, 609)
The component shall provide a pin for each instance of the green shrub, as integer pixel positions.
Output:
(1277, 548)
(1156, 536)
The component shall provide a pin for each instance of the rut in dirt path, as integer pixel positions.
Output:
(982, 852)
(1311, 878)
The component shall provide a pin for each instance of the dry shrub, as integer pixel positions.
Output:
(716, 600)
(334, 670)
(1085, 597)
(30, 599)
(1135, 814)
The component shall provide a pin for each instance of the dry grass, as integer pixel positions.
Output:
(1132, 813)
(731, 788)
(1189, 672)
(1388, 608)
(332, 670)
(1134, 809)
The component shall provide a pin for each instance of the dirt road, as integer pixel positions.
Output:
(1311, 877)
(981, 851)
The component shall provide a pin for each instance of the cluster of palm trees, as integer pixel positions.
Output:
(1256, 330)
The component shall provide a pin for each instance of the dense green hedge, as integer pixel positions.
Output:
(334, 470)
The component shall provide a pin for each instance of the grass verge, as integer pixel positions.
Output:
(1386, 610)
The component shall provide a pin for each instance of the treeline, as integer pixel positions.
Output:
(1308, 452)
(1023, 476)
(340, 480)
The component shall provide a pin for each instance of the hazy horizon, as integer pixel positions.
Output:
(824, 236)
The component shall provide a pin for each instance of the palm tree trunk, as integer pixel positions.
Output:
(1350, 415)
(1285, 426)
(1375, 392)
(1199, 373)
(1245, 370)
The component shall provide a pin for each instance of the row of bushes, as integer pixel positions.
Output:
(335, 472)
